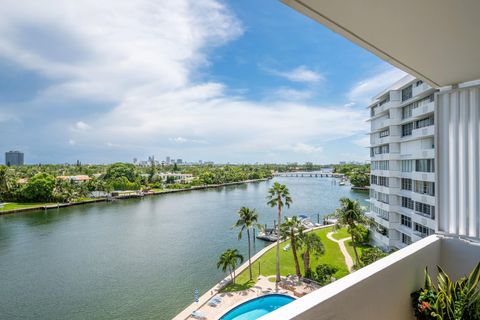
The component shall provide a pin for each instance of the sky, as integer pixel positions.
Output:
(226, 81)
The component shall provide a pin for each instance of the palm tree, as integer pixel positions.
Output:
(350, 214)
(229, 261)
(311, 243)
(278, 196)
(247, 220)
(292, 228)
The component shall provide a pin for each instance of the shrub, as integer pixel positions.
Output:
(370, 255)
(324, 273)
(361, 234)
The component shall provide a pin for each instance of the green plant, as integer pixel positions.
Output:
(311, 243)
(229, 261)
(292, 228)
(449, 300)
(361, 234)
(324, 273)
(278, 196)
(351, 215)
(370, 255)
(248, 219)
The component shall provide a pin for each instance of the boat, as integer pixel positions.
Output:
(268, 235)
(341, 183)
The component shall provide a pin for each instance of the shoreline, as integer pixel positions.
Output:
(128, 196)
(187, 311)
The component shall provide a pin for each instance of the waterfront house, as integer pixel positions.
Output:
(75, 179)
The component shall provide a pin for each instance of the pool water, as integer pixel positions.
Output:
(257, 307)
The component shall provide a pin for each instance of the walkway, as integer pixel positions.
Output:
(341, 243)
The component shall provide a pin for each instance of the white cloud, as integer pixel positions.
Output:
(289, 94)
(363, 142)
(303, 148)
(71, 142)
(81, 126)
(300, 74)
(364, 90)
(143, 58)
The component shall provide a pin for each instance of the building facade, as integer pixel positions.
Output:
(14, 158)
(402, 152)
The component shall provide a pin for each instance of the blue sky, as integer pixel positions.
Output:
(238, 81)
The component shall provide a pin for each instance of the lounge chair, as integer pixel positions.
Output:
(199, 315)
(215, 301)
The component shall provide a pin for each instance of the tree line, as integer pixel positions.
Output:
(41, 183)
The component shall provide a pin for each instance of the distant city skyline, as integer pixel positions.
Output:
(231, 82)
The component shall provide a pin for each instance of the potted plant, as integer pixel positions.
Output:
(456, 300)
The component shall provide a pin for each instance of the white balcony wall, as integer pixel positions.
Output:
(423, 132)
(416, 90)
(458, 161)
(382, 289)
(423, 110)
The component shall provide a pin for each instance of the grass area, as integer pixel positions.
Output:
(332, 256)
(341, 234)
(15, 205)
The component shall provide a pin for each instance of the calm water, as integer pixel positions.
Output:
(133, 259)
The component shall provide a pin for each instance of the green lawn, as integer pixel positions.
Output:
(341, 234)
(332, 256)
(14, 205)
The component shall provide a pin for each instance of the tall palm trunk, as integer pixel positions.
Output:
(231, 275)
(306, 260)
(354, 245)
(293, 242)
(278, 243)
(249, 255)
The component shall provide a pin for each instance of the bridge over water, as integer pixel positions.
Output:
(302, 174)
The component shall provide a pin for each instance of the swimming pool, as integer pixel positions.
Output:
(257, 307)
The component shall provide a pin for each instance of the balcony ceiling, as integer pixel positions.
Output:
(435, 40)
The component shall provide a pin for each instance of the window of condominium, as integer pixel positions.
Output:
(425, 101)
(373, 179)
(407, 129)
(425, 122)
(380, 212)
(425, 209)
(381, 149)
(406, 239)
(382, 197)
(406, 221)
(425, 187)
(380, 165)
(407, 111)
(383, 181)
(425, 165)
(407, 165)
(406, 184)
(387, 99)
(373, 111)
(407, 203)
(407, 93)
(384, 133)
(422, 229)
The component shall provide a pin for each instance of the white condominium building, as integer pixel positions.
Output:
(402, 196)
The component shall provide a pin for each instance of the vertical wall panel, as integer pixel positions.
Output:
(458, 157)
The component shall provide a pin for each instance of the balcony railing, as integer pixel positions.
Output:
(389, 280)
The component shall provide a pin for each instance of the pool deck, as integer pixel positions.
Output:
(232, 299)
(263, 286)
